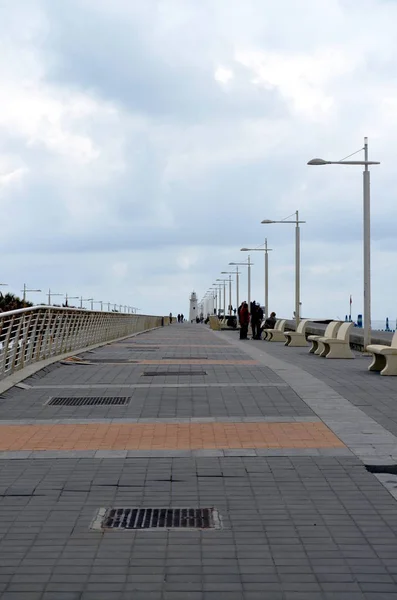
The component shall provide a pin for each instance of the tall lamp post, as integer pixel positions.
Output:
(297, 259)
(219, 293)
(366, 228)
(85, 300)
(230, 273)
(52, 294)
(25, 290)
(224, 295)
(266, 250)
(249, 265)
(67, 298)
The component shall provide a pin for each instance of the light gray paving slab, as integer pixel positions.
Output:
(348, 422)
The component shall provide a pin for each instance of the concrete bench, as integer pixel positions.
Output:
(297, 338)
(276, 334)
(339, 346)
(330, 331)
(384, 357)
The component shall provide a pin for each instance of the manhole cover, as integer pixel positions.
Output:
(172, 373)
(89, 401)
(157, 518)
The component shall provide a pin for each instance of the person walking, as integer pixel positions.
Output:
(179, 318)
(182, 318)
(244, 321)
(170, 318)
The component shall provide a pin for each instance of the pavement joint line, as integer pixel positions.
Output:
(198, 453)
(347, 421)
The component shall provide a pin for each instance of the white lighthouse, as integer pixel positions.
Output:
(193, 307)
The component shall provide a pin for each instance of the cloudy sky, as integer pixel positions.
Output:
(143, 141)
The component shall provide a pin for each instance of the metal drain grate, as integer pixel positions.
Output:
(90, 400)
(172, 373)
(157, 518)
(119, 361)
(185, 358)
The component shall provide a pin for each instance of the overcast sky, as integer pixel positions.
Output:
(143, 141)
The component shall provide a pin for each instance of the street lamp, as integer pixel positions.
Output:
(366, 227)
(67, 298)
(297, 259)
(25, 290)
(85, 300)
(230, 273)
(265, 250)
(224, 295)
(219, 291)
(249, 265)
(52, 294)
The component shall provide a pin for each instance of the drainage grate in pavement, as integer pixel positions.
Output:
(185, 358)
(111, 360)
(170, 373)
(157, 518)
(390, 469)
(89, 401)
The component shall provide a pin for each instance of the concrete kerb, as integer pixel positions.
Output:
(18, 376)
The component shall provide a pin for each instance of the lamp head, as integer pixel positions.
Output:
(318, 161)
(244, 249)
(267, 221)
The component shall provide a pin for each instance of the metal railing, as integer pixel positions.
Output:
(30, 335)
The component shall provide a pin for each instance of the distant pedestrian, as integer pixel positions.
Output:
(179, 318)
(182, 318)
(170, 318)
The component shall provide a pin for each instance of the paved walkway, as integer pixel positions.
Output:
(271, 440)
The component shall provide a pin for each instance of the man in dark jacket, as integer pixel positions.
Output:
(270, 321)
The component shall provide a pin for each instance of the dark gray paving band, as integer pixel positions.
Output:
(87, 386)
(213, 453)
(68, 421)
(366, 438)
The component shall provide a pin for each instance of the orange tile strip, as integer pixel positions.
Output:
(164, 436)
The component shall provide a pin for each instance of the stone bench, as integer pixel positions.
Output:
(330, 332)
(339, 346)
(297, 338)
(276, 334)
(384, 357)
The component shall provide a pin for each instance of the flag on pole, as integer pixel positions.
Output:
(350, 299)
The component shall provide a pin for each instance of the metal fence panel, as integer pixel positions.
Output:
(30, 335)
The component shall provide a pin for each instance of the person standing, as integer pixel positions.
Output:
(244, 321)
(182, 318)
(170, 318)
(179, 318)
(256, 320)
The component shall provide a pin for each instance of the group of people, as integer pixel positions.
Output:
(254, 315)
(180, 318)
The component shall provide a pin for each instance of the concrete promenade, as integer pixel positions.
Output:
(277, 444)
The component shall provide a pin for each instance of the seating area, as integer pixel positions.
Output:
(384, 357)
(330, 332)
(276, 334)
(297, 338)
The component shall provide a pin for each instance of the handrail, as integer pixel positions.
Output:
(30, 335)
